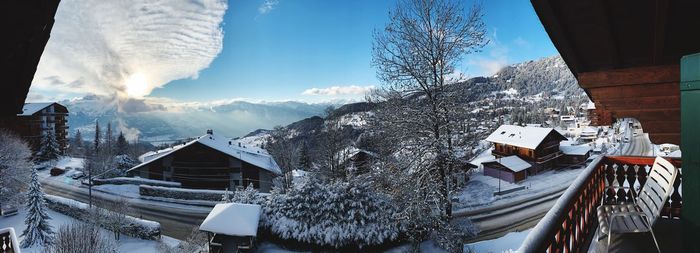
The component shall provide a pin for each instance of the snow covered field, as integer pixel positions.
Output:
(126, 244)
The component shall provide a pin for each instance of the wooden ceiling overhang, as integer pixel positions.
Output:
(25, 26)
(625, 54)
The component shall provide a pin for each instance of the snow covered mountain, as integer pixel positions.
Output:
(156, 122)
(516, 94)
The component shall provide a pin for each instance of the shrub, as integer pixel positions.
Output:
(177, 193)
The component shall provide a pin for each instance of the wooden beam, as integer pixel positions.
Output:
(630, 76)
(640, 90)
(660, 138)
(640, 103)
(608, 27)
(661, 21)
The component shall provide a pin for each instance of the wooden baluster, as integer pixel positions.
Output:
(631, 179)
(620, 176)
(676, 198)
(610, 178)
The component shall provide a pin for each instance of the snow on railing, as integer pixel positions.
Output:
(8, 241)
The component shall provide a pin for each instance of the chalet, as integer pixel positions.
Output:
(538, 146)
(36, 119)
(210, 162)
(509, 168)
(574, 154)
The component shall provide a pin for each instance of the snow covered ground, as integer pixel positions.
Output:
(509, 242)
(125, 244)
(478, 192)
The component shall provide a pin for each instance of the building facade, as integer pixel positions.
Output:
(210, 162)
(538, 146)
(37, 119)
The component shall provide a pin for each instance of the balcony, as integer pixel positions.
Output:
(571, 224)
(8, 241)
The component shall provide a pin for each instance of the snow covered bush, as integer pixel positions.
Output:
(124, 163)
(82, 237)
(132, 226)
(248, 196)
(335, 214)
(177, 193)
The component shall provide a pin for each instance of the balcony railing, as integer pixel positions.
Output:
(570, 224)
(8, 241)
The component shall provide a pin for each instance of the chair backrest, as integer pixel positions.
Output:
(657, 188)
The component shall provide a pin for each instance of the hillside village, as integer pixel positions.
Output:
(575, 152)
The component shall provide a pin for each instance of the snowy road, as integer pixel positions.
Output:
(176, 220)
(639, 143)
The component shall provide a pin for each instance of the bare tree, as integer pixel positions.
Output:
(286, 154)
(417, 56)
(332, 147)
(117, 216)
(81, 237)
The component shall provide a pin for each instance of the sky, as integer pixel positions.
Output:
(256, 50)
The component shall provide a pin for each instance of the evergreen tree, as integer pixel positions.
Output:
(49, 149)
(38, 229)
(122, 145)
(304, 160)
(109, 139)
(97, 137)
(78, 139)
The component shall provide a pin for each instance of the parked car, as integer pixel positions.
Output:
(8, 210)
(77, 174)
(57, 171)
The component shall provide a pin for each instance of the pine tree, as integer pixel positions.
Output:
(109, 140)
(122, 145)
(49, 149)
(97, 137)
(304, 161)
(38, 229)
(78, 139)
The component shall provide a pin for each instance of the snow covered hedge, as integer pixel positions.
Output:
(337, 215)
(135, 227)
(134, 181)
(178, 193)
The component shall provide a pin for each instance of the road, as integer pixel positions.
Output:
(639, 143)
(176, 220)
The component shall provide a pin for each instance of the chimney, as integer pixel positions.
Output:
(229, 143)
(209, 131)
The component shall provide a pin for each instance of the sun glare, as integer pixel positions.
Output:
(136, 85)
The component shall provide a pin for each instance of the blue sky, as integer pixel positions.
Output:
(302, 44)
(259, 50)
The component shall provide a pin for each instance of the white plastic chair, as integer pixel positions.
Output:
(639, 216)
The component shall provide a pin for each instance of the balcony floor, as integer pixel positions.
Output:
(668, 232)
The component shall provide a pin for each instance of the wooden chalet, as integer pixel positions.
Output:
(636, 59)
(537, 145)
(510, 168)
(210, 162)
(37, 119)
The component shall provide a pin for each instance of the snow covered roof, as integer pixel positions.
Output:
(32, 108)
(525, 137)
(233, 219)
(575, 150)
(590, 106)
(247, 154)
(513, 163)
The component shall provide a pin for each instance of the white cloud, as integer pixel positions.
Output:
(494, 58)
(267, 6)
(339, 90)
(96, 46)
